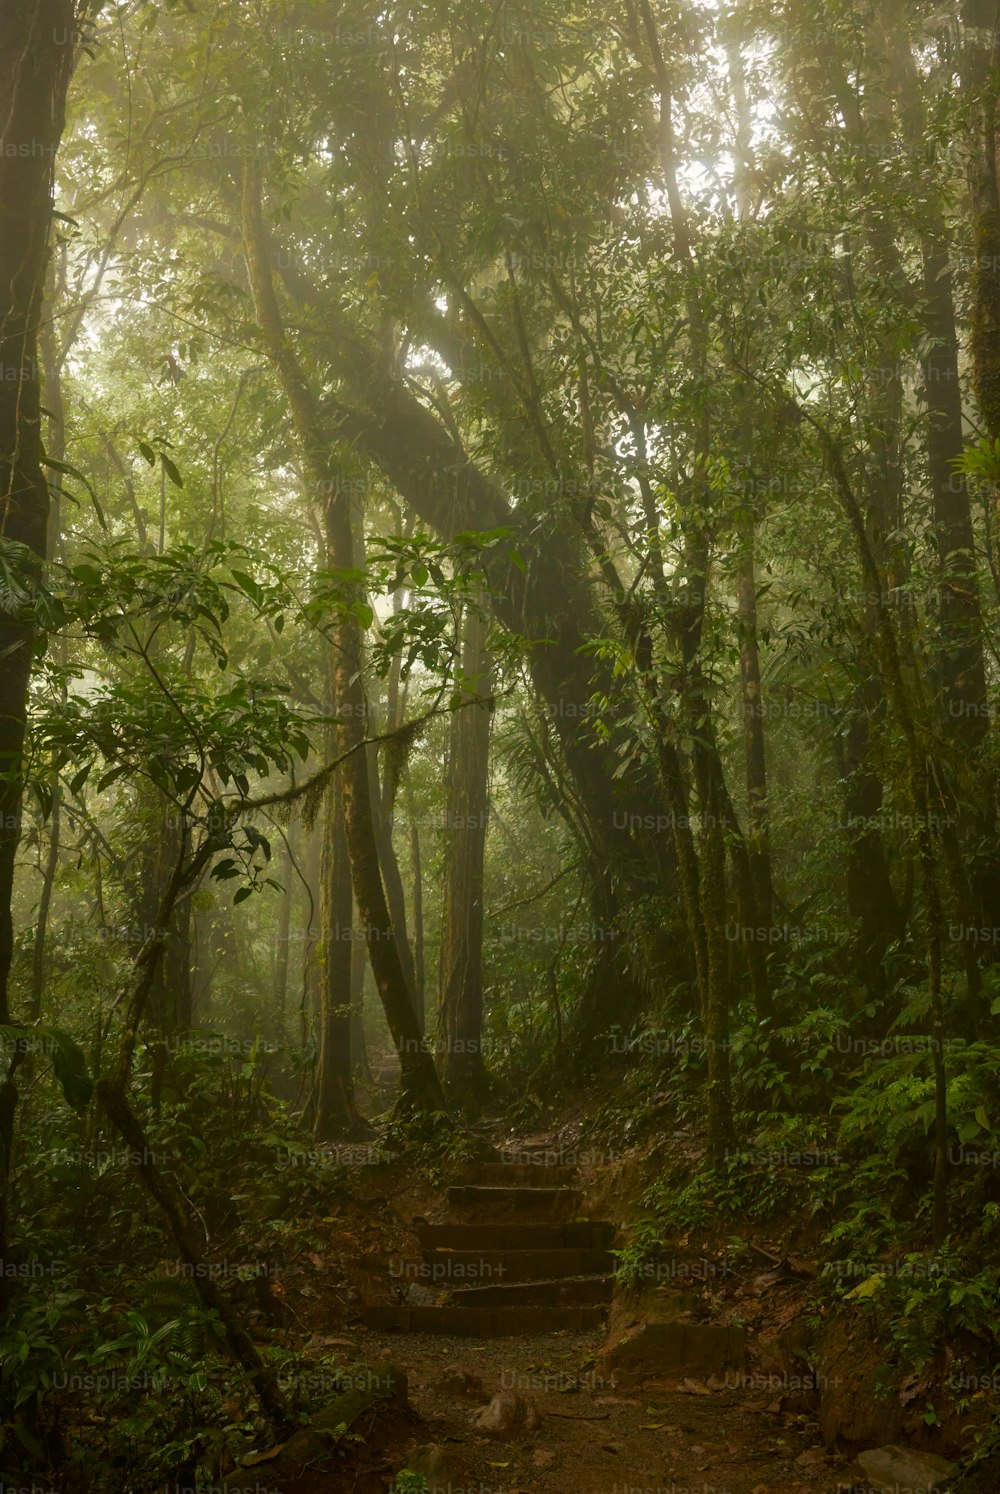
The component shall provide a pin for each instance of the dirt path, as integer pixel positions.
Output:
(596, 1436)
(669, 1437)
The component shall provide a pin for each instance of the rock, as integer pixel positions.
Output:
(458, 1383)
(442, 1469)
(890, 1468)
(507, 1415)
(652, 1349)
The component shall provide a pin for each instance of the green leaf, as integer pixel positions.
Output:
(170, 468)
(90, 575)
(248, 585)
(79, 779)
(70, 1068)
(112, 776)
(866, 1288)
(242, 895)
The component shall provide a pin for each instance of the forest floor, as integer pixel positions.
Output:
(670, 1436)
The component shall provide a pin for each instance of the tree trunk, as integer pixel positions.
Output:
(980, 66)
(383, 795)
(57, 451)
(460, 1013)
(393, 881)
(36, 59)
(309, 999)
(44, 903)
(335, 1113)
(170, 1000)
(417, 870)
(754, 757)
(359, 1045)
(283, 934)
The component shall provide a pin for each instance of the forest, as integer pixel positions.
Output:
(499, 777)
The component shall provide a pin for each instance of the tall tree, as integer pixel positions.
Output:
(420, 1086)
(37, 41)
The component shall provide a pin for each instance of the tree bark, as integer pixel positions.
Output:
(758, 836)
(980, 68)
(282, 934)
(36, 60)
(359, 1045)
(417, 870)
(45, 902)
(334, 1110)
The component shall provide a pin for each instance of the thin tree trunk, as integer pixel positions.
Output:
(755, 760)
(393, 881)
(416, 864)
(384, 796)
(980, 68)
(758, 835)
(460, 1013)
(335, 1114)
(45, 903)
(283, 933)
(309, 998)
(57, 451)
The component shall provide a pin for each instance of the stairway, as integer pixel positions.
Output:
(513, 1257)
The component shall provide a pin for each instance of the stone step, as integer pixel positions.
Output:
(515, 1200)
(482, 1322)
(580, 1292)
(582, 1234)
(491, 1266)
(520, 1173)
